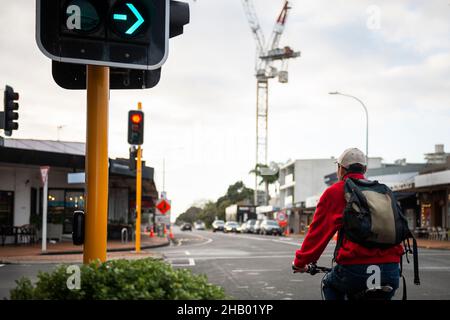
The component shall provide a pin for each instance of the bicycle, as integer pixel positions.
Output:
(380, 293)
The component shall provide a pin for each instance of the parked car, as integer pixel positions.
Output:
(231, 226)
(186, 226)
(257, 227)
(250, 226)
(270, 227)
(218, 225)
(199, 225)
(242, 228)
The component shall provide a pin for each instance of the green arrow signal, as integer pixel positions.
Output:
(123, 17)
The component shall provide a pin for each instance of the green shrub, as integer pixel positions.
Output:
(121, 279)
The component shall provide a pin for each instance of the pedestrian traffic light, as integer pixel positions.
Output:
(131, 34)
(135, 127)
(133, 155)
(10, 105)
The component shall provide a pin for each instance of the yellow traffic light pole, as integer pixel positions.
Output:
(138, 194)
(95, 242)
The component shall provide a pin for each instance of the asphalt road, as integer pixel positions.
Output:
(259, 267)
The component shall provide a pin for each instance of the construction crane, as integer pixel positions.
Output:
(266, 57)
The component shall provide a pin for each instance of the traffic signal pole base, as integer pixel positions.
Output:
(95, 242)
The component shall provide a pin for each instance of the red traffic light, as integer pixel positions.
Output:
(136, 118)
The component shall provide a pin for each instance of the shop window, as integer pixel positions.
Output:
(55, 206)
(425, 216)
(74, 200)
(7, 208)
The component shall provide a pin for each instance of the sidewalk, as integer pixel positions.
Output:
(421, 243)
(66, 252)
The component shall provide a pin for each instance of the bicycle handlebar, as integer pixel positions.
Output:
(313, 269)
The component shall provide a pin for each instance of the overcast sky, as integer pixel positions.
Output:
(393, 55)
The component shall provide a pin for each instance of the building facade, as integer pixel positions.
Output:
(21, 191)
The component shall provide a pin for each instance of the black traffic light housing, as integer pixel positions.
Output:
(9, 116)
(135, 127)
(130, 34)
(73, 76)
(179, 16)
(133, 156)
(78, 228)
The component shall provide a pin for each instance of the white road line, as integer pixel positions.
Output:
(297, 280)
(254, 270)
(434, 268)
(253, 273)
(190, 264)
(297, 244)
(187, 253)
(2, 265)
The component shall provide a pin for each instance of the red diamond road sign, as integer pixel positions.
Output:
(163, 206)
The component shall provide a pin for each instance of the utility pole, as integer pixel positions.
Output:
(96, 164)
(367, 120)
(138, 194)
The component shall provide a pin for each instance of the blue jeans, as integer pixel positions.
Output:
(346, 280)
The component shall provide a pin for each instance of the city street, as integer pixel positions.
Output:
(259, 267)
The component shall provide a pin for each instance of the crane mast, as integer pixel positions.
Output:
(266, 56)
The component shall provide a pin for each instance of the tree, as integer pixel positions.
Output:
(190, 215)
(268, 175)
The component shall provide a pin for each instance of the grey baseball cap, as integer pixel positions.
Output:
(351, 156)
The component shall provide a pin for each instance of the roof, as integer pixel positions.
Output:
(65, 147)
(395, 169)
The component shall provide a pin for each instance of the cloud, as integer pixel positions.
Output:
(201, 116)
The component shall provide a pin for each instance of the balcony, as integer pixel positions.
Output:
(288, 182)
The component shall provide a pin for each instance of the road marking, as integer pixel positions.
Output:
(297, 280)
(270, 288)
(435, 268)
(253, 273)
(187, 253)
(297, 244)
(191, 263)
(254, 270)
(2, 265)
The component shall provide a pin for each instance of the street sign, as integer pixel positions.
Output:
(281, 216)
(44, 174)
(165, 219)
(131, 34)
(163, 207)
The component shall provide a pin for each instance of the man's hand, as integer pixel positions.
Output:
(299, 269)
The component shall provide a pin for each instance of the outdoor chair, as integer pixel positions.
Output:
(442, 233)
(432, 233)
(27, 234)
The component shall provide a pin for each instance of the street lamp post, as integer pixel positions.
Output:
(367, 121)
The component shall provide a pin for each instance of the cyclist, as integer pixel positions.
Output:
(350, 274)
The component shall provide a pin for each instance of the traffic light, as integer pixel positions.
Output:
(78, 228)
(129, 34)
(10, 115)
(133, 155)
(73, 77)
(135, 127)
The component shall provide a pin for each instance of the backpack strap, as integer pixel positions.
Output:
(357, 192)
(416, 262)
(405, 252)
(339, 241)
